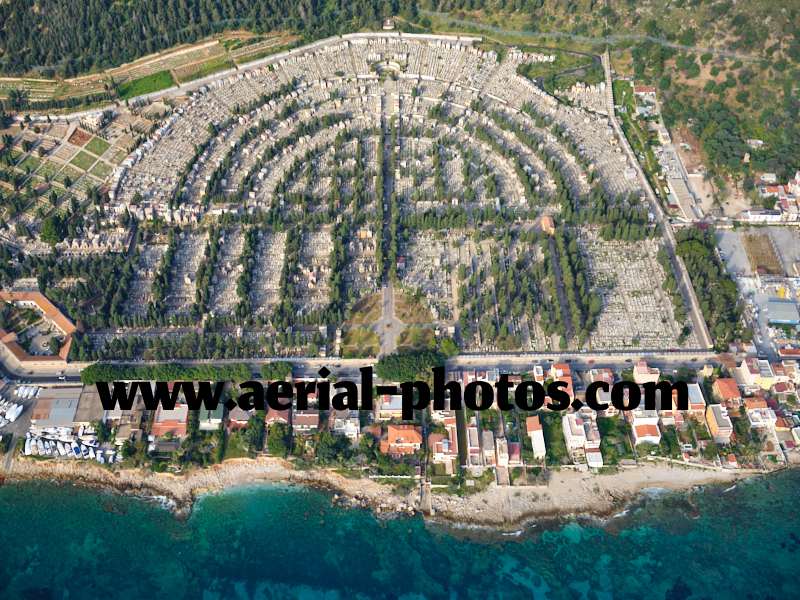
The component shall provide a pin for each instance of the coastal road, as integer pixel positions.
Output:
(511, 362)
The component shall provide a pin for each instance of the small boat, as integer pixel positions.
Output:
(91, 453)
(47, 449)
(85, 451)
(15, 412)
(28, 447)
(76, 450)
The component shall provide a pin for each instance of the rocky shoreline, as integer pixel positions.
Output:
(568, 493)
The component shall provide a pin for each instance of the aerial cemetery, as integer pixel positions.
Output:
(271, 203)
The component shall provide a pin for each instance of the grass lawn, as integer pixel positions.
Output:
(410, 309)
(366, 311)
(101, 170)
(83, 160)
(49, 169)
(30, 162)
(97, 146)
(209, 67)
(246, 57)
(416, 338)
(70, 172)
(360, 342)
(146, 85)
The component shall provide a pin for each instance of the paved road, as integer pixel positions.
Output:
(388, 326)
(684, 283)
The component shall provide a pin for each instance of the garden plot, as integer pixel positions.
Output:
(266, 286)
(140, 290)
(636, 312)
(226, 272)
(183, 277)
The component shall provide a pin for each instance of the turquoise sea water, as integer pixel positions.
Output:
(278, 542)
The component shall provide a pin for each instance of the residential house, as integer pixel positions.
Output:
(444, 449)
(719, 423)
(401, 440)
(606, 375)
(487, 448)
(276, 416)
(697, 402)
(726, 390)
(501, 449)
(646, 433)
(533, 426)
(305, 421)
(594, 458)
(390, 407)
(755, 373)
(644, 374)
(211, 420)
(473, 443)
(761, 417)
(562, 372)
(238, 418)
(171, 422)
(346, 423)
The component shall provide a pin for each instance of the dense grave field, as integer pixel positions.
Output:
(272, 204)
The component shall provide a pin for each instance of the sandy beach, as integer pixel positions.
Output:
(566, 493)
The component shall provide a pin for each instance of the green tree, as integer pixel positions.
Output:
(278, 439)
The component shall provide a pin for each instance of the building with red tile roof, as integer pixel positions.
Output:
(12, 349)
(646, 433)
(401, 440)
(727, 391)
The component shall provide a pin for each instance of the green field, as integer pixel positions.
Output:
(83, 160)
(31, 162)
(97, 146)
(204, 69)
(360, 342)
(101, 170)
(146, 85)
